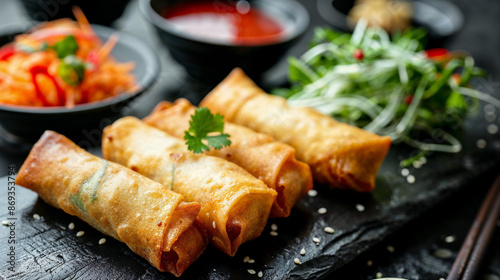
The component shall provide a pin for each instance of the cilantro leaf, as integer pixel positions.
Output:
(202, 123)
(194, 144)
(218, 141)
(65, 47)
(72, 70)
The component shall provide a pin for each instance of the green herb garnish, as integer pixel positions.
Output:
(65, 47)
(203, 123)
(386, 86)
(71, 70)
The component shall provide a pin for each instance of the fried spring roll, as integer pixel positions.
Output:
(339, 154)
(152, 220)
(234, 205)
(270, 161)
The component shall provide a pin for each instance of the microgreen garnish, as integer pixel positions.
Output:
(387, 86)
(203, 123)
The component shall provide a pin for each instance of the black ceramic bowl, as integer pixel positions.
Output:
(210, 61)
(97, 11)
(440, 17)
(28, 123)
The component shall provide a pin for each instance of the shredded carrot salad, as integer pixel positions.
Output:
(62, 63)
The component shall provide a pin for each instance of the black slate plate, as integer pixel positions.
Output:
(47, 249)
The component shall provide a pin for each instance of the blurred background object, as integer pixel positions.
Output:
(243, 36)
(440, 17)
(103, 12)
(391, 15)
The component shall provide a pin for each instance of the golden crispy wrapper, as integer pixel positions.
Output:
(271, 161)
(339, 154)
(234, 205)
(151, 220)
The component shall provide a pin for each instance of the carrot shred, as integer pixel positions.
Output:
(82, 19)
(108, 47)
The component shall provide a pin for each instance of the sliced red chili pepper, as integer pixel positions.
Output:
(358, 54)
(436, 54)
(408, 99)
(42, 70)
(93, 58)
(7, 51)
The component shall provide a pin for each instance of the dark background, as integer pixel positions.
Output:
(415, 244)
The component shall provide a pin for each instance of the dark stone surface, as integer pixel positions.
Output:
(413, 218)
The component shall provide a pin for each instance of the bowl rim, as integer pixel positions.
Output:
(338, 19)
(294, 6)
(103, 31)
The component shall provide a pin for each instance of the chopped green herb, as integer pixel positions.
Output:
(65, 47)
(410, 161)
(203, 123)
(71, 70)
(89, 188)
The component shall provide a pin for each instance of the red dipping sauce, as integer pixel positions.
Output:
(234, 23)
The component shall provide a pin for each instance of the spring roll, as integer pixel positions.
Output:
(152, 220)
(235, 205)
(270, 161)
(338, 154)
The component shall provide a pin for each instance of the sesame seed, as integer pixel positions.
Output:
(481, 143)
(410, 179)
(490, 117)
(5, 223)
(390, 249)
(321, 210)
(488, 108)
(251, 261)
(369, 263)
(36, 216)
(449, 239)
(492, 128)
(274, 227)
(213, 224)
(273, 233)
(360, 207)
(80, 233)
(260, 274)
(245, 259)
(442, 278)
(312, 193)
(207, 214)
(63, 227)
(443, 253)
(423, 160)
(71, 226)
(102, 241)
(417, 164)
(297, 261)
(303, 251)
(405, 172)
(316, 240)
(378, 275)
(251, 271)
(329, 230)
